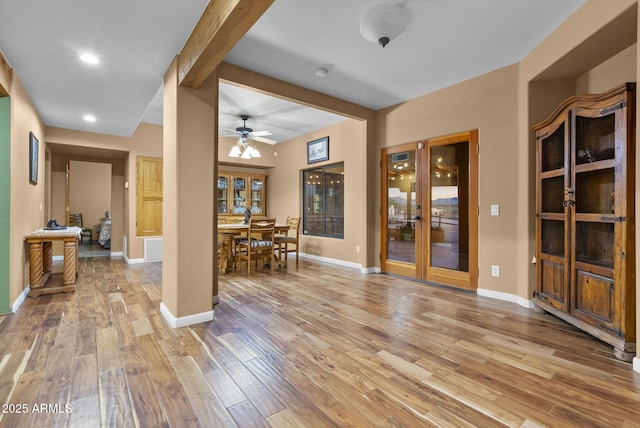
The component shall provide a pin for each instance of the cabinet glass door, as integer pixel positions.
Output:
(594, 247)
(223, 194)
(256, 195)
(239, 195)
(554, 198)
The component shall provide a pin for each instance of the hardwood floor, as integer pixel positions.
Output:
(318, 346)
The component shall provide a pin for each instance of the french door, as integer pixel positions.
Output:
(430, 210)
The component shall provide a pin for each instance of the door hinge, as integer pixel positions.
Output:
(478, 149)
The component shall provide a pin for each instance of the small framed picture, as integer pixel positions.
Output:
(318, 150)
(33, 159)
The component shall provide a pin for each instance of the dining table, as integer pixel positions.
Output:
(228, 231)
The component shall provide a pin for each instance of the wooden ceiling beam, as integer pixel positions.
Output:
(5, 76)
(221, 26)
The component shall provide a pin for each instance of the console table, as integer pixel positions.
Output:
(41, 260)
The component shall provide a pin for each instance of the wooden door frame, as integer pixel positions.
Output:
(397, 267)
(466, 280)
(421, 269)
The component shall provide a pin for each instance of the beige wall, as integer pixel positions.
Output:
(145, 141)
(487, 103)
(620, 68)
(90, 191)
(27, 200)
(346, 144)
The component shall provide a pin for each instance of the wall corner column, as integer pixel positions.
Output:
(188, 274)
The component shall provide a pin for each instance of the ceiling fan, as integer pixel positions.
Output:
(244, 148)
(246, 133)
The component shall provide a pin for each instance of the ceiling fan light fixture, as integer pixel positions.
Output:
(235, 152)
(383, 23)
(255, 153)
(247, 153)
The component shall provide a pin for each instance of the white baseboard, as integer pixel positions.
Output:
(332, 261)
(216, 299)
(117, 254)
(185, 321)
(20, 300)
(370, 270)
(506, 297)
(133, 261)
(636, 364)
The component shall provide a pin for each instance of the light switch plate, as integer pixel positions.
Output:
(495, 209)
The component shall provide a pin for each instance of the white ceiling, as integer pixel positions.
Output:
(445, 42)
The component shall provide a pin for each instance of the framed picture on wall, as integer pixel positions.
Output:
(318, 150)
(33, 159)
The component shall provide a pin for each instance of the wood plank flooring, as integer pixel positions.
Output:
(317, 346)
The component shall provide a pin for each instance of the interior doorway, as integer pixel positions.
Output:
(88, 194)
(430, 202)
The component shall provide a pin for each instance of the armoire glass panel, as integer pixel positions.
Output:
(553, 237)
(595, 243)
(553, 150)
(595, 191)
(552, 194)
(595, 138)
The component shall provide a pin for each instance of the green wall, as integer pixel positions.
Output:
(5, 201)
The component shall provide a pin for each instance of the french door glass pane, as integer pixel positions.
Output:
(401, 206)
(450, 206)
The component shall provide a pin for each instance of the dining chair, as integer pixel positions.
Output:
(282, 242)
(75, 220)
(223, 257)
(259, 243)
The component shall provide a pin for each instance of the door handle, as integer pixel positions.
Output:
(418, 217)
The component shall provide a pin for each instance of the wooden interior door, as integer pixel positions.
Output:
(149, 196)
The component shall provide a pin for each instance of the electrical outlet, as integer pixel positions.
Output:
(495, 270)
(495, 209)
(357, 248)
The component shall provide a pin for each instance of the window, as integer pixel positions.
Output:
(323, 201)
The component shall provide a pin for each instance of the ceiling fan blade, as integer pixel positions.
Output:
(264, 140)
(261, 133)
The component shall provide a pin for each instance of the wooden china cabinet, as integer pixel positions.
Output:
(237, 191)
(585, 221)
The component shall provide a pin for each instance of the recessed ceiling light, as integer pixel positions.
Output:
(89, 58)
(89, 118)
(321, 72)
